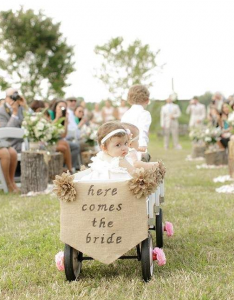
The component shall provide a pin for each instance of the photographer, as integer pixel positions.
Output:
(60, 111)
(11, 114)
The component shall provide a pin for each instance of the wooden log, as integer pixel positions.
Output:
(55, 166)
(231, 158)
(198, 150)
(34, 172)
(217, 157)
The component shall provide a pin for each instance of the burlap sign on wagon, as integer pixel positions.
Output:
(105, 221)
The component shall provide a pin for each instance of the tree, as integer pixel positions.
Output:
(123, 67)
(34, 55)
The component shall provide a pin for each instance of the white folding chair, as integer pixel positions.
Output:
(11, 132)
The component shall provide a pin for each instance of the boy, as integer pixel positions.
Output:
(138, 98)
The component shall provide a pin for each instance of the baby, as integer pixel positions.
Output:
(111, 162)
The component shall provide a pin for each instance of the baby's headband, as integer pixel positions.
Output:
(110, 134)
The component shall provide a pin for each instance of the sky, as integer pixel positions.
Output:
(195, 38)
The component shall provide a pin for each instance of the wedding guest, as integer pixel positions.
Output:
(138, 98)
(8, 161)
(37, 105)
(108, 112)
(121, 110)
(214, 116)
(97, 115)
(79, 116)
(169, 115)
(11, 114)
(197, 112)
(72, 131)
(60, 111)
(226, 134)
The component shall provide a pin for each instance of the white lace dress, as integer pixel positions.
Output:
(105, 167)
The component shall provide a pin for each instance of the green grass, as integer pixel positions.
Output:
(200, 261)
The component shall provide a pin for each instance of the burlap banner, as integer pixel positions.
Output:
(105, 221)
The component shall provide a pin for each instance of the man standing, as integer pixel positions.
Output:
(197, 112)
(11, 114)
(169, 115)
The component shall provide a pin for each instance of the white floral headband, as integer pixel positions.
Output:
(110, 134)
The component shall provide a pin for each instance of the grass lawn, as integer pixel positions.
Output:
(200, 261)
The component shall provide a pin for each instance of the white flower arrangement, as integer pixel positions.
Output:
(209, 135)
(38, 129)
(89, 134)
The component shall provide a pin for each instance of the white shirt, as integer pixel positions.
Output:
(72, 128)
(198, 113)
(141, 118)
(169, 111)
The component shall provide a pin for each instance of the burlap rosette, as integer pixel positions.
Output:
(64, 187)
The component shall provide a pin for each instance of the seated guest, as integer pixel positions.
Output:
(60, 111)
(97, 115)
(108, 112)
(62, 146)
(11, 114)
(226, 134)
(214, 116)
(79, 116)
(122, 109)
(8, 160)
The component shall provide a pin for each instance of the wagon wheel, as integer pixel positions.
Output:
(159, 229)
(72, 262)
(147, 263)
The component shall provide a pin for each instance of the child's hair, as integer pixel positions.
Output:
(138, 94)
(108, 127)
(134, 129)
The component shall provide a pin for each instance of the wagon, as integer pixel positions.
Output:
(96, 225)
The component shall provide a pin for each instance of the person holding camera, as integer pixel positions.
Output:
(60, 111)
(11, 114)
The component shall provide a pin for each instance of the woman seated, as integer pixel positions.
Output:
(226, 134)
(8, 160)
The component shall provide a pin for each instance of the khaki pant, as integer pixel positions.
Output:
(172, 130)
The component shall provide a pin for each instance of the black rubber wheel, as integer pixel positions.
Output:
(147, 263)
(159, 229)
(72, 262)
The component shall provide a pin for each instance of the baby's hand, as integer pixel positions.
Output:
(142, 148)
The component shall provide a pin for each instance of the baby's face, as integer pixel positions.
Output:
(117, 146)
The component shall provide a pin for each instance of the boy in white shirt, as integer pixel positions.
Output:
(138, 98)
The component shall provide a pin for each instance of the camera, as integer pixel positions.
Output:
(15, 96)
(63, 109)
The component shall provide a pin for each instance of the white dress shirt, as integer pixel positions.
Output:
(169, 115)
(141, 118)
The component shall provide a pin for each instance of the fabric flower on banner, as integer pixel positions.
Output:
(64, 187)
(159, 256)
(168, 227)
(162, 169)
(143, 183)
(59, 260)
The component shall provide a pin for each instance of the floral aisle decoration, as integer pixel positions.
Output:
(159, 255)
(59, 261)
(89, 134)
(212, 136)
(196, 134)
(64, 187)
(36, 128)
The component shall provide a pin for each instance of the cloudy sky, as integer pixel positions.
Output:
(196, 39)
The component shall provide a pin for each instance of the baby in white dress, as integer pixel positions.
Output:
(114, 162)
